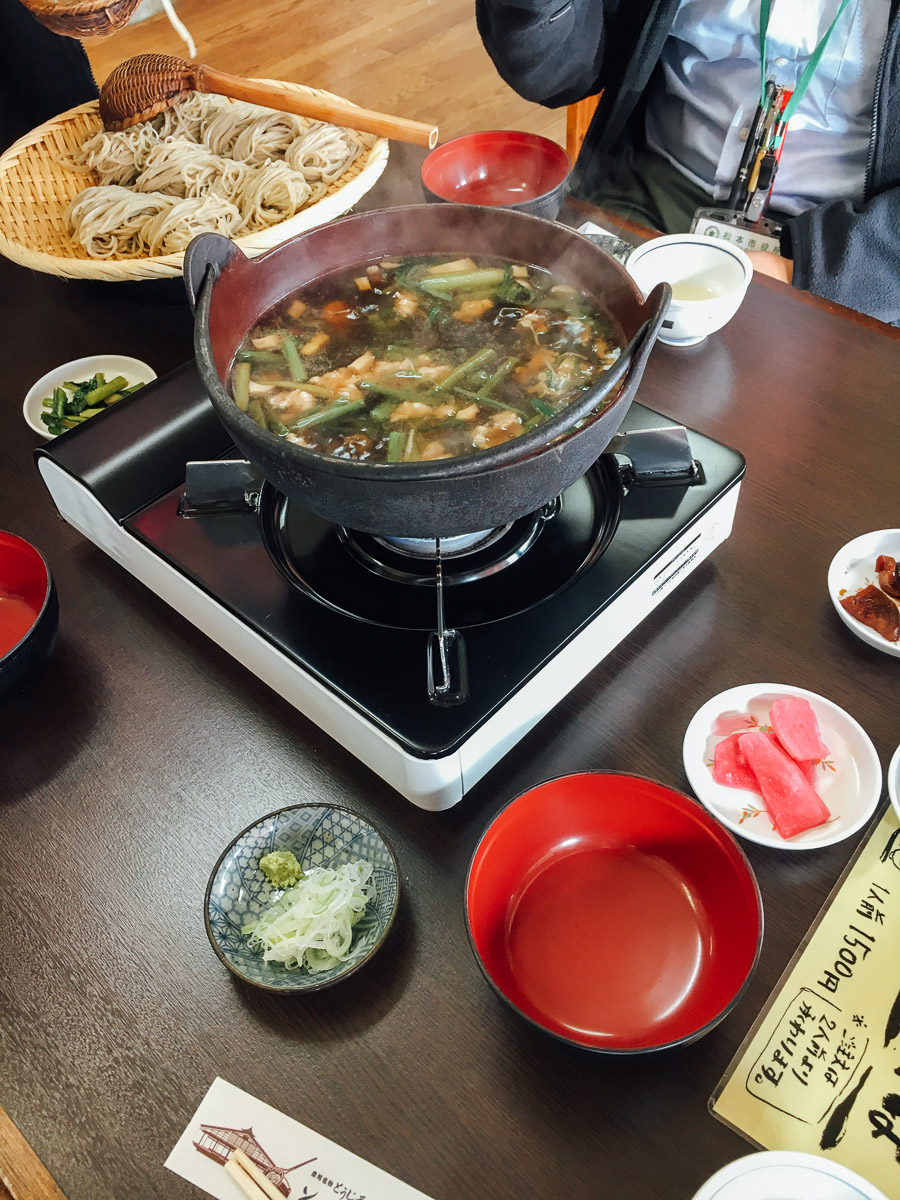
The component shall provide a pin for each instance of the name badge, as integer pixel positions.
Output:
(728, 226)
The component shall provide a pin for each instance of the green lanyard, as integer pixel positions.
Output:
(808, 71)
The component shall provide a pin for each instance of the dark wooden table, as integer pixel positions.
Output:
(143, 748)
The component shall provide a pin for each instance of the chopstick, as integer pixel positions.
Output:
(250, 1179)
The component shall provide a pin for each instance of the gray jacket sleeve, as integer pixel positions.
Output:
(549, 51)
(850, 254)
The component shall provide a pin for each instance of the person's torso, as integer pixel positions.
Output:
(702, 99)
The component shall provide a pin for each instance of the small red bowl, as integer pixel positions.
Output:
(613, 912)
(29, 611)
(501, 168)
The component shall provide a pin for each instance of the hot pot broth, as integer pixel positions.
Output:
(418, 359)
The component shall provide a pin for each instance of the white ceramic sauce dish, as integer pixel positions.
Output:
(709, 280)
(852, 568)
(787, 1175)
(894, 781)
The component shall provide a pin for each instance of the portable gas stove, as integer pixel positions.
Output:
(428, 661)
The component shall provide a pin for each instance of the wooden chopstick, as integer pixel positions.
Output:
(247, 1175)
(22, 1174)
(244, 1182)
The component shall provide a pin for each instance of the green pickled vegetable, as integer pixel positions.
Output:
(76, 401)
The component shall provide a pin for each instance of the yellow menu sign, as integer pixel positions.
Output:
(820, 1069)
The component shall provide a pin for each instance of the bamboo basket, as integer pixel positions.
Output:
(82, 18)
(36, 188)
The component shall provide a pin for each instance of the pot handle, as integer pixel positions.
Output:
(655, 307)
(207, 253)
(631, 362)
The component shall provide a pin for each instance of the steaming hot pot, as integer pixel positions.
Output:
(447, 497)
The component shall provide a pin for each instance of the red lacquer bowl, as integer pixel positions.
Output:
(502, 168)
(613, 912)
(29, 611)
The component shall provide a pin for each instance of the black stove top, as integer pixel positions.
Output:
(354, 612)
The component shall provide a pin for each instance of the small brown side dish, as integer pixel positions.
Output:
(888, 575)
(873, 608)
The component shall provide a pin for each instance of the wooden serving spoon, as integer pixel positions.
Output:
(145, 85)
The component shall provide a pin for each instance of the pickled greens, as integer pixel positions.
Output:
(311, 925)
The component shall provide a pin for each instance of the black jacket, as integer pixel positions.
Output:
(554, 53)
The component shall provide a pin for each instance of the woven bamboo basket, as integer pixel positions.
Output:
(36, 188)
(82, 18)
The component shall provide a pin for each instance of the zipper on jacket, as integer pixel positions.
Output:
(891, 37)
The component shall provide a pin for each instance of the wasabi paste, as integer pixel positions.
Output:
(281, 868)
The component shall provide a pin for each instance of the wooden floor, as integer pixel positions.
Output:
(416, 58)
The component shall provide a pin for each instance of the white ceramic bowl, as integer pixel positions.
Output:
(111, 365)
(849, 781)
(852, 568)
(894, 781)
(709, 280)
(787, 1175)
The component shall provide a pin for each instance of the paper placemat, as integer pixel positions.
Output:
(820, 1069)
(299, 1162)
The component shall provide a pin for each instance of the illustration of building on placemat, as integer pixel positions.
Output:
(219, 1142)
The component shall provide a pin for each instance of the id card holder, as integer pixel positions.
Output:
(729, 225)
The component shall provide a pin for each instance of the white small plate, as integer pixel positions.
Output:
(894, 781)
(111, 365)
(849, 781)
(852, 568)
(787, 1175)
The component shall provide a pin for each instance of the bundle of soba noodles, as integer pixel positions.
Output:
(206, 163)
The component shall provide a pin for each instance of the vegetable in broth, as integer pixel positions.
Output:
(419, 359)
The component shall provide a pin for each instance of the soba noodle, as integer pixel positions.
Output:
(206, 163)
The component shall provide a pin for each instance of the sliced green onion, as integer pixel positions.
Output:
(382, 412)
(460, 281)
(339, 408)
(240, 385)
(396, 440)
(477, 360)
(502, 371)
(292, 354)
(257, 412)
(261, 356)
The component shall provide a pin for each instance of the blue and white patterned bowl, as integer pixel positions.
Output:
(320, 835)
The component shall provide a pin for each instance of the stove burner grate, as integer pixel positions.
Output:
(388, 582)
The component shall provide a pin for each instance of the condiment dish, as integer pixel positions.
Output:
(319, 835)
(29, 612)
(75, 371)
(852, 568)
(709, 280)
(503, 168)
(849, 781)
(613, 913)
(894, 781)
(787, 1175)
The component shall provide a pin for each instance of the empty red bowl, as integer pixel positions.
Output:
(500, 167)
(613, 912)
(29, 611)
